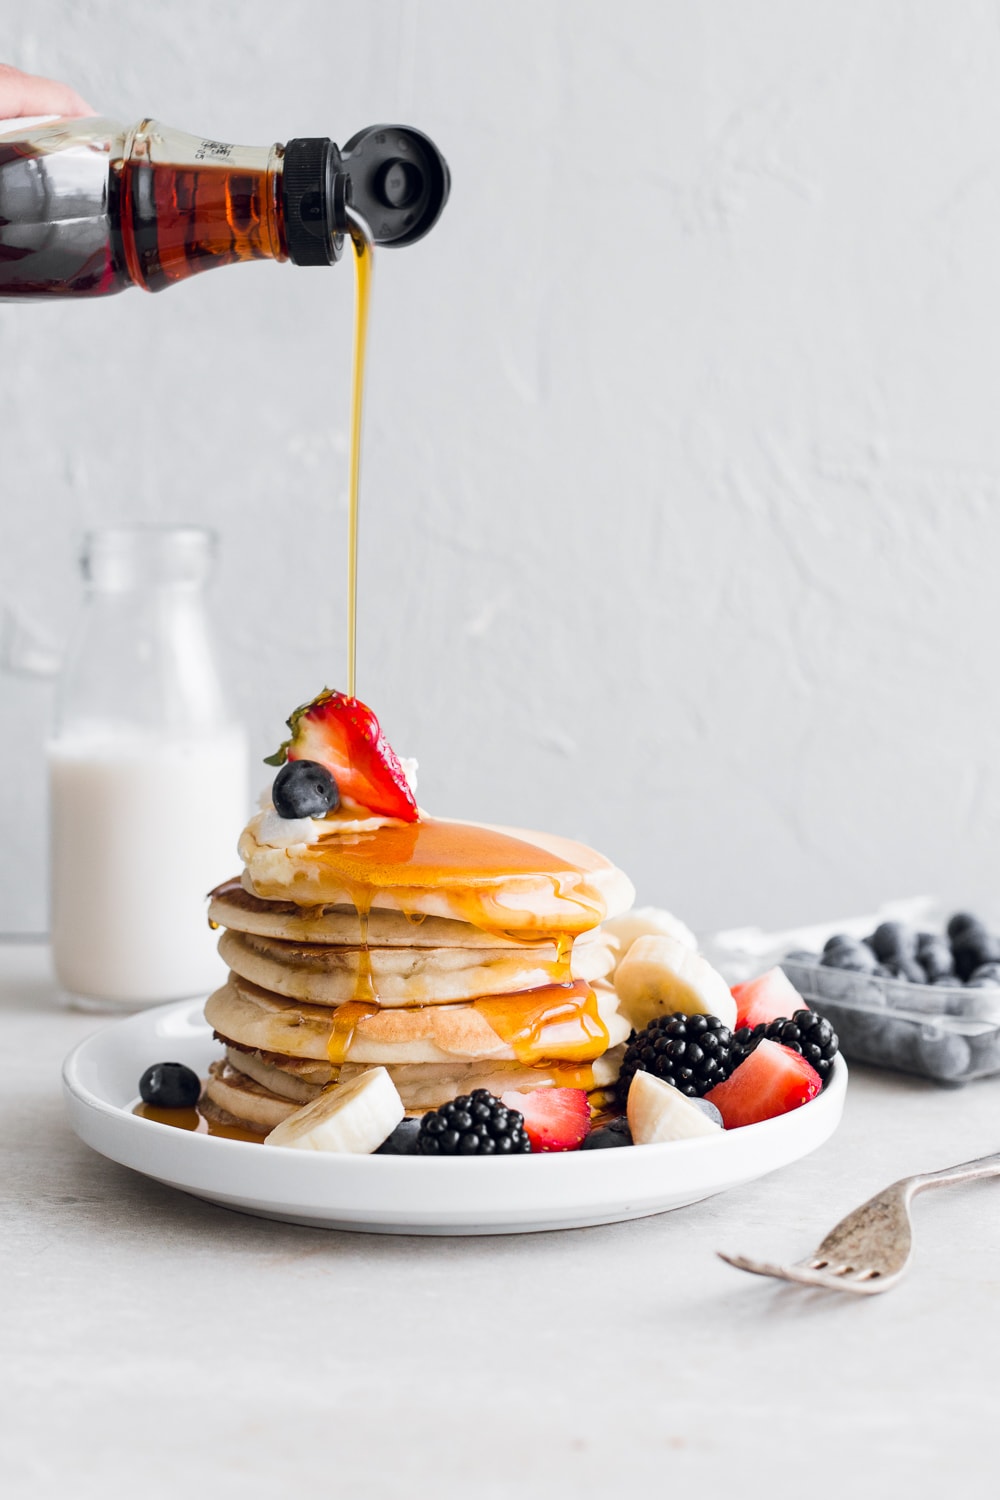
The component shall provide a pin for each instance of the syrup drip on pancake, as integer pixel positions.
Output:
(466, 860)
(559, 1020)
(343, 1024)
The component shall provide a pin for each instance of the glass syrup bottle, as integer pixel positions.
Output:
(91, 207)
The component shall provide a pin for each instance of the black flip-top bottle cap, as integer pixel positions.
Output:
(394, 176)
(399, 181)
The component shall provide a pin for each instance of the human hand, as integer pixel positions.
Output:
(21, 94)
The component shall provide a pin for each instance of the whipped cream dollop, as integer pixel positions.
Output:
(276, 832)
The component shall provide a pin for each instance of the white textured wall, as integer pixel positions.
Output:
(681, 524)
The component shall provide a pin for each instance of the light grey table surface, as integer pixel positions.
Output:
(154, 1345)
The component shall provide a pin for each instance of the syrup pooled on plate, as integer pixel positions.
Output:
(199, 1122)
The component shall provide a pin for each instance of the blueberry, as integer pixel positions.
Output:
(951, 979)
(984, 975)
(908, 969)
(615, 1133)
(934, 957)
(859, 959)
(801, 956)
(962, 922)
(304, 789)
(403, 1141)
(973, 948)
(841, 940)
(170, 1085)
(894, 941)
(708, 1109)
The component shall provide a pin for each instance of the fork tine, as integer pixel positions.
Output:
(865, 1282)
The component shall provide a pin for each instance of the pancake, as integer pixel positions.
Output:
(257, 1099)
(507, 882)
(571, 1023)
(247, 1101)
(397, 977)
(232, 905)
(277, 1080)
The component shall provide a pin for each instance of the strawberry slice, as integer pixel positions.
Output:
(555, 1119)
(343, 735)
(771, 997)
(771, 1081)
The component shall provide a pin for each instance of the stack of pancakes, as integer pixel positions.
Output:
(455, 955)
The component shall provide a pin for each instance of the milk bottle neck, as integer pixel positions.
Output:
(142, 665)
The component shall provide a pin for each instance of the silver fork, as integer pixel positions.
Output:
(869, 1250)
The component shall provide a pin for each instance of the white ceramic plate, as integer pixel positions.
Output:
(401, 1194)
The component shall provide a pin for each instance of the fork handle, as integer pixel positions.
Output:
(983, 1166)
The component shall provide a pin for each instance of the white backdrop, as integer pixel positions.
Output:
(680, 521)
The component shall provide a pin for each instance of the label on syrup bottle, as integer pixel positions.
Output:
(213, 151)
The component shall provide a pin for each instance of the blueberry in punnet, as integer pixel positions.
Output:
(614, 1133)
(907, 969)
(934, 956)
(858, 959)
(304, 789)
(403, 1141)
(801, 956)
(476, 1124)
(841, 940)
(962, 922)
(894, 941)
(973, 948)
(987, 976)
(170, 1085)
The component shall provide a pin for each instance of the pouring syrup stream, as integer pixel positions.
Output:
(364, 262)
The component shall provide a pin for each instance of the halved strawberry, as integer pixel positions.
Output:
(770, 997)
(555, 1119)
(771, 1081)
(343, 735)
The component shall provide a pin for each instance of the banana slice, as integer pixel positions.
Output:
(355, 1117)
(661, 974)
(647, 921)
(659, 1112)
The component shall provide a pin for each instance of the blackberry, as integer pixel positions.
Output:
(690, 1052)
(807, 1033)
(475, 1124)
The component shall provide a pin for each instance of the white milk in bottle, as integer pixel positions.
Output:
(147, 777)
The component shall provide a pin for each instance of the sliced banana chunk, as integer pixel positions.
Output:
(659, 1112)
(661, 974)
(647, 921)
(354, 1117)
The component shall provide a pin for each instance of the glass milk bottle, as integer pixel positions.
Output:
(147, 776)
